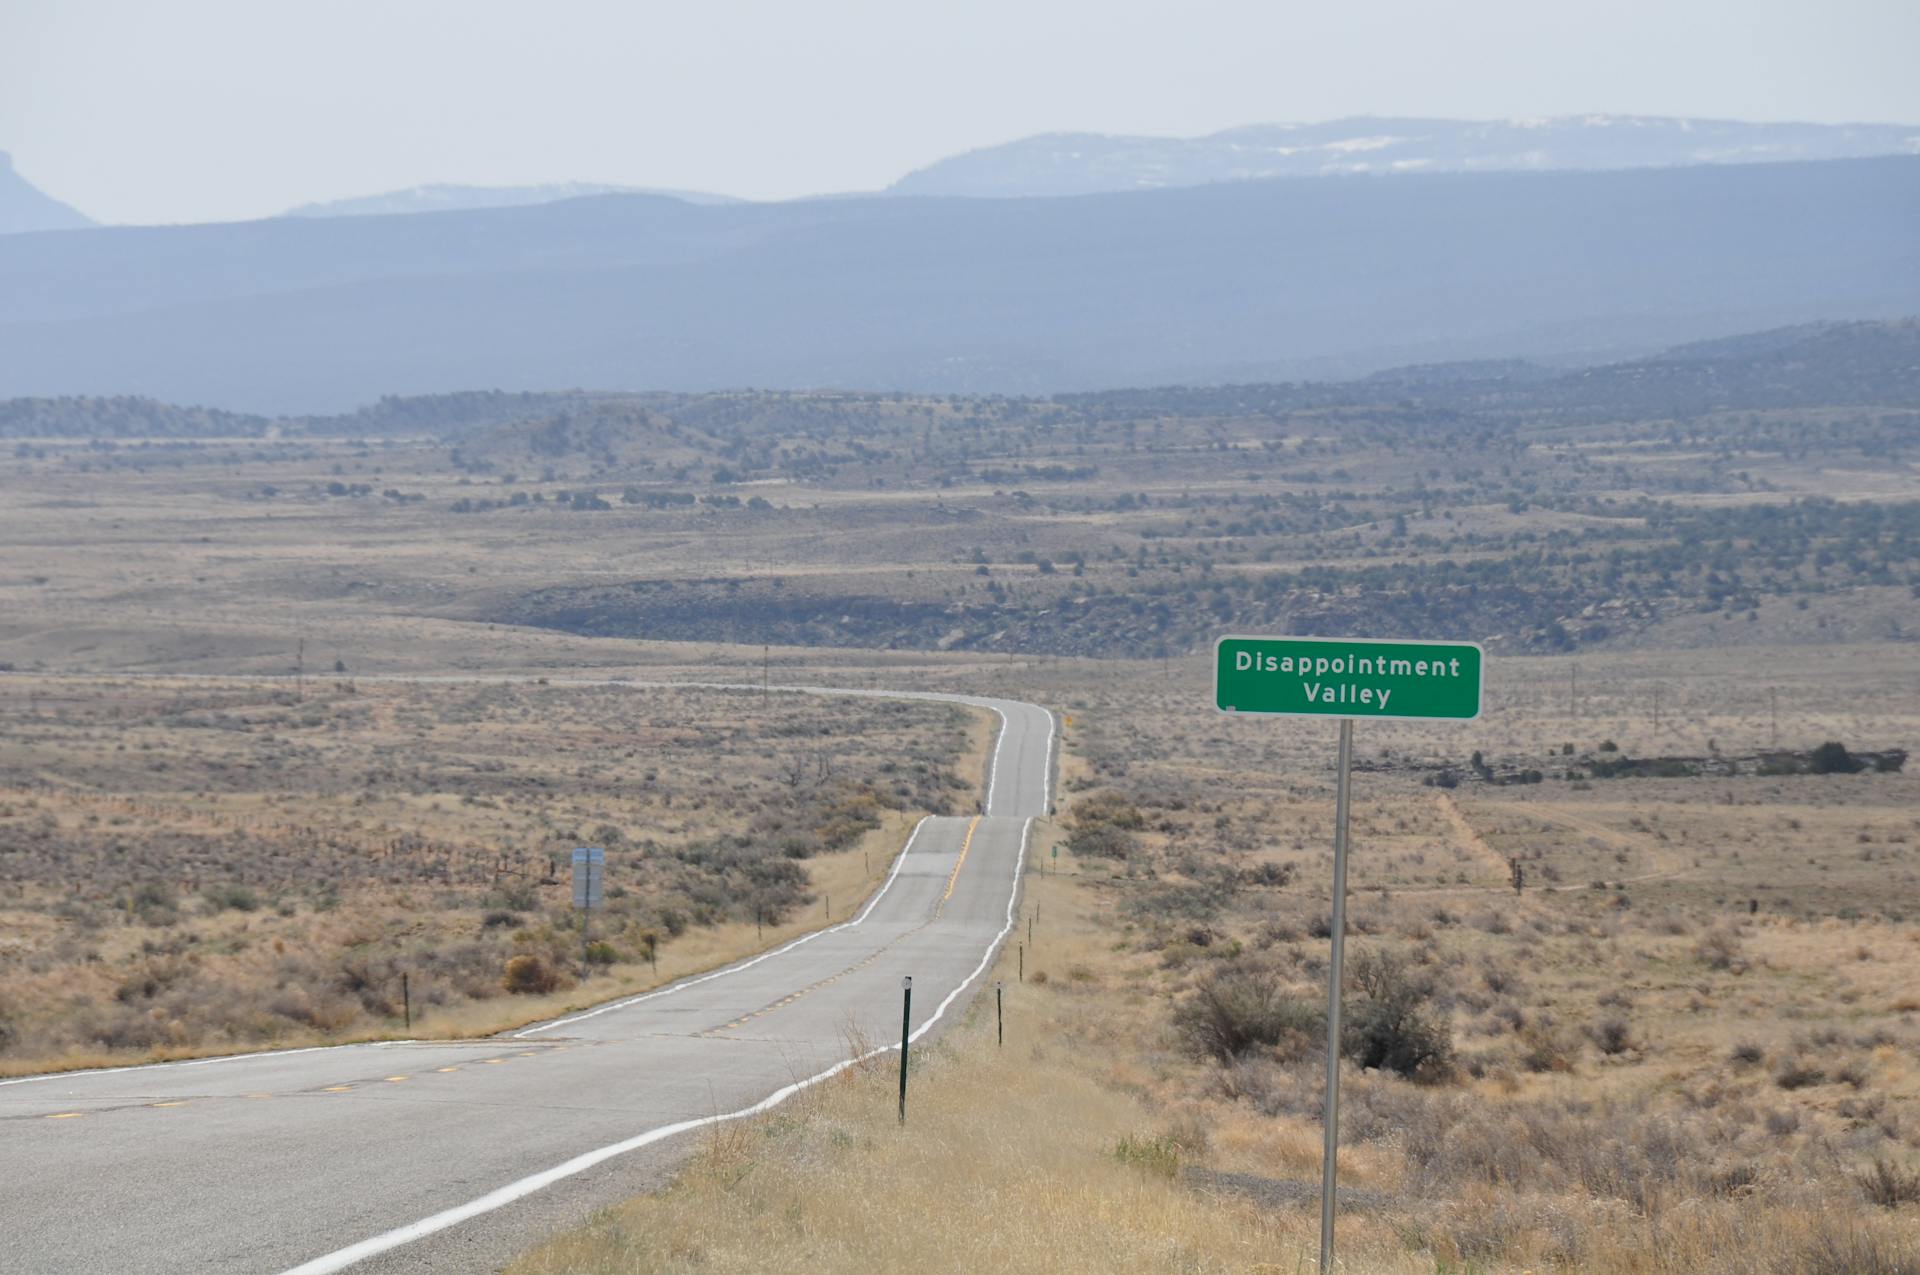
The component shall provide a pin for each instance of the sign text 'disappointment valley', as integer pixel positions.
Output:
(1347, 677)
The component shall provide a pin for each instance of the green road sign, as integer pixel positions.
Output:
(1348, 677)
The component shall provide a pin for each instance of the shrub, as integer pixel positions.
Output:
(155, 904)
(1794, 1074)
(1389, 1027)
(1545, 1048)
(1889, 1186)
(1854, 1073)
(1849, 1251)
(1611, 1036)
(1103, 827)
(1720, 949)
(1235, 1011)
(1159, 1156)
(1832, 758)
(529, 975)
(237, 897)
(1747, 1053)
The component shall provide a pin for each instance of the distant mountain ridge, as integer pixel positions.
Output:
(1277, 280)
(24, 207)
(1834, 364)
(457, 198)
(1089, 163)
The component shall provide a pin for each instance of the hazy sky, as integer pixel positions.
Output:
(184, 110)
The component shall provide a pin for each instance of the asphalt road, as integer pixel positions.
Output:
(440, 1156)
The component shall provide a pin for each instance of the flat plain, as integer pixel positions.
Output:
(294, 711)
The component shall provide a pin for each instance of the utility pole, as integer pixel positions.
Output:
(1773, 710)
(1573, 691)
(300, 671)
(766, 673)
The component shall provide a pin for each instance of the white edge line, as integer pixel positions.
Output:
(340, 1259)
(1046, 776)
(993, 769)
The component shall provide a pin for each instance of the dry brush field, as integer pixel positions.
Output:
(194, 864)
(1689, 1042)
(1690, 1039)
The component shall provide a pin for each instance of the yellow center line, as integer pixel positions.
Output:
(66, 1115)
(259, 1095)
(336, 1088)
(965, 844)
(958, 863)
(394, 1080)
(493, 1060)
(446, 1069)
(179, 1103)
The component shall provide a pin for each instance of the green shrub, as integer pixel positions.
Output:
(238, 898)
(1238, 1010)
(1159, 1155)
(1389, 1026)
(1832, 758)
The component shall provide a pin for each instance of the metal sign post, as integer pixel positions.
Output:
(589, 868)
(906, 1018)
(1344, 678)
(1330, 1152)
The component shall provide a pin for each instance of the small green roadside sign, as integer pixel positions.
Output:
(1348, 677)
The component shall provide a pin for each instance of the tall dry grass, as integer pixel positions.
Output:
(1088, 1144)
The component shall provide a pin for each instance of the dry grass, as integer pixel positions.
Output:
(199, 866)
(1617, 1105)
(1072, 1149)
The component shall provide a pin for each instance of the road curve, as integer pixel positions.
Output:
(390, 1156)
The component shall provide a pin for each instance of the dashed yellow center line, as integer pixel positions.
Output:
(259, 1095)
(336, 1088)
(744, 1019)
(958, 863)
(966, 843)
(177, 1103)
(394, 1080)
(66, 1115)
(446, 1069)
(493, 1060)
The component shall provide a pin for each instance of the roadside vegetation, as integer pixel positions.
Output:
(1625, 1065)
(196, 866)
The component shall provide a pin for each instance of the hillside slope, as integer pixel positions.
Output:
(25, 207)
